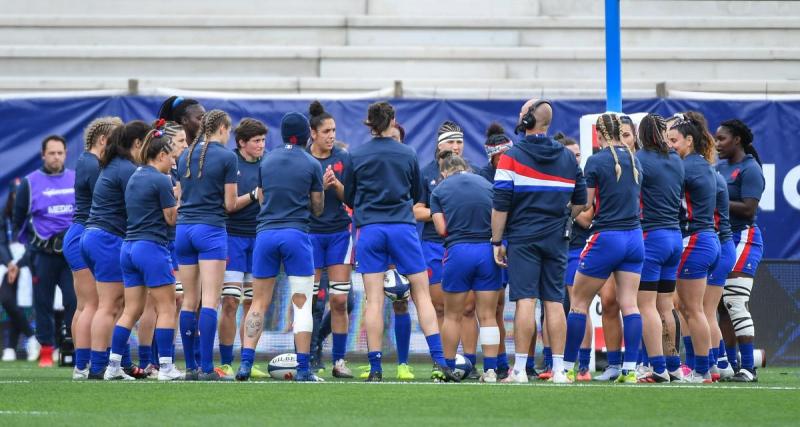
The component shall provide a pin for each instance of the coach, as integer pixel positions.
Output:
(43, 213)
(535, 181)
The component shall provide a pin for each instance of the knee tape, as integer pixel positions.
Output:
(316, 288)
(231, 291)
(303, 318)
(339, 288)
(178, 287)
(248, 293)
(490, 335)
(736, 297)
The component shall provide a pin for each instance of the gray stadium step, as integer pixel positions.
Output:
(362, 30)
(396, 63)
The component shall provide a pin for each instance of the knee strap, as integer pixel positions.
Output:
(231, 291)
(303, 317)
(339, 288)
(490, 335)
(736, 297)
(248, 293)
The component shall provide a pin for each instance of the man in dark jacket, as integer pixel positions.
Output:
(535, 181)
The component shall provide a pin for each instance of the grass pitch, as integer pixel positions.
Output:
(33, 396)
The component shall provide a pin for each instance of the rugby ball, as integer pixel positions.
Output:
(283, 366)
(463, 367)
(396, 286)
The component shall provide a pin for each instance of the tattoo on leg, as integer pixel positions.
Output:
(667, 340)
(254, 324)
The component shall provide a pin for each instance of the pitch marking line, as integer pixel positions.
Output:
(472, 384)
(25, 413)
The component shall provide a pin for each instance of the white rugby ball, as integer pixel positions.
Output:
(283, 366)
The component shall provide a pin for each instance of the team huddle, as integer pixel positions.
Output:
(173, 231)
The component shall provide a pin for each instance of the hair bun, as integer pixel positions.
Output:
(495, 129)
(315, 109)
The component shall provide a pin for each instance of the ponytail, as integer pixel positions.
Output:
(651, 133)
(211, 123)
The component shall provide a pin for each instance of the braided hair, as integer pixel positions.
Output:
(379, 117)
(738, 128)
(693, 124)
(609, 127)
(102, 126)
(212, 121)
(651, 134)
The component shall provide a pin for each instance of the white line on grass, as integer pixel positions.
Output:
(474, 384)
(14, 381)
(24, 413)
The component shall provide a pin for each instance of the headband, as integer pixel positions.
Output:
(450, 136)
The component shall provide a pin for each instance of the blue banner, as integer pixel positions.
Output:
(24, 122)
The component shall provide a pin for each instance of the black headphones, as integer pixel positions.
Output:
(528, 120)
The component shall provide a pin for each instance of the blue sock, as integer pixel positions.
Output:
(145, 355)
(208, 331)
(712, 356)
(530, 363)
(701, 364)
(402, 336)
(248, 355)
(375, 361)
(435, 348)
(502, 361)
(548, 357)
(614, 358)
(722, 364)
(673, 362)
(576, 326)
(82, 356)
(119, 343)
(339, 346)
(473, 359)
(188, 324)
(489, 363)
(659, 364)
(302, 362)
(584, 356)
(451, 363)
(99, 361)
(632, 331)
(126, 354)
(226, 354)
(733, 357)
(196, 340)
(688, 348)
(164, 338)
(748, 360)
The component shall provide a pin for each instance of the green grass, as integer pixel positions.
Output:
(33, 396)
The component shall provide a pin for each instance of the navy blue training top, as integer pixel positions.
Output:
(383, 183)
(288, 175)
(334, 217)
(661, 189)
(722, 212)
(487, 172)
(699, 195)
(243, 222)
(534, 182)
(173, 177)
(465, 200)
(203, 197)
(431, 177)
(108, 201)
(86, 172)
(745, 181)
(149, 192)
(616, 202)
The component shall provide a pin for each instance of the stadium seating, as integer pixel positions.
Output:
(447, 48)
